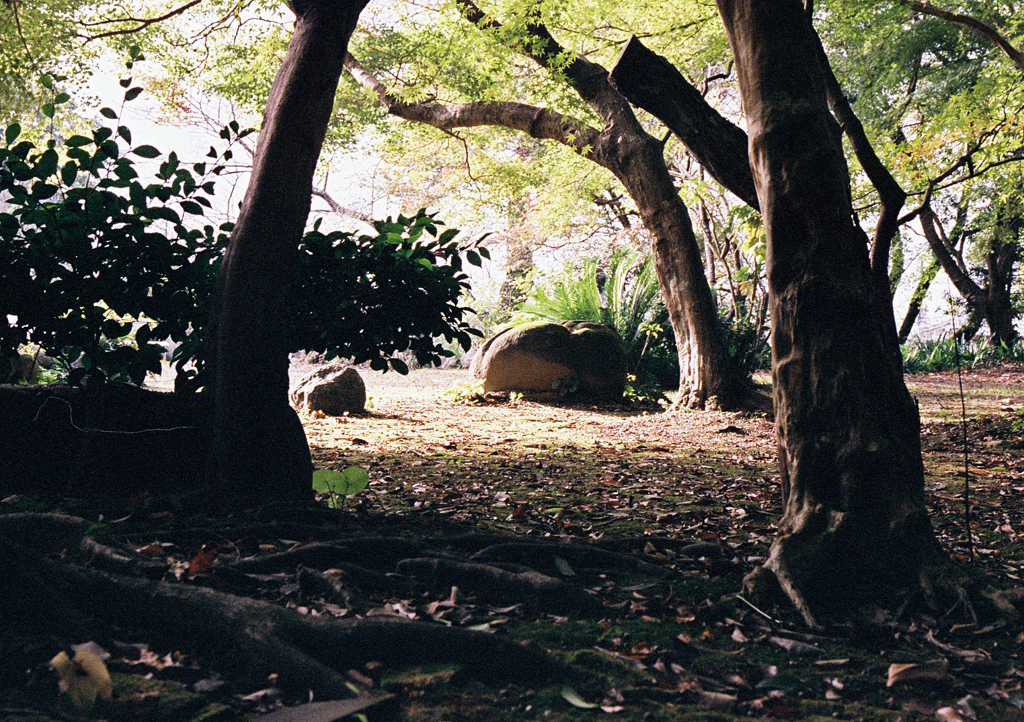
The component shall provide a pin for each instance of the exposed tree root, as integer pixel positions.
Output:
(536, 590)
(538, 554)
(943, 588)
(246, 639)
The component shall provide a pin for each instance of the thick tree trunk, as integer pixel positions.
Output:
(854, 527)
(707, 376)
(259, 447)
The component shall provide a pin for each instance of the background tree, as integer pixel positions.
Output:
(942, 103)
(617, 142)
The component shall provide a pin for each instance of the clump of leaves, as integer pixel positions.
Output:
(98, 267)
(472, 393)
(622, 293)
(942, 354)
(95, 263)
(336, 486)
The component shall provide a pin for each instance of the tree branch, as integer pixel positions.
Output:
(890, 194)
(340, 209)
(536, 122)
(651, 82)
(960, 279)
(588, 79)
(983, 30)
(141, 23)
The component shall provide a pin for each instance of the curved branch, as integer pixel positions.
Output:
(536, 122)
(588, 79)
(141, 23)
(963, 282)
(651, 82)
(983, 30)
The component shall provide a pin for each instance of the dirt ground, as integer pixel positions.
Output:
(645, 521)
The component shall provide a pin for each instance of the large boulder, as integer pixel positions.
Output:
(335, 390)
(538, 356)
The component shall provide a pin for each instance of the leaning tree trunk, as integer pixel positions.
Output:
(855, 528)
(259, 447)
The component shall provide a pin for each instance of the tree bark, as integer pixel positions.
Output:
(259, 447)
(651, 82)
(855, 528)
(707, 374)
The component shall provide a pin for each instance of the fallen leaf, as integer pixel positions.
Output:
(572, 697)
(932, 669)
(202, 561)
(948, 714)
(795, 647)
(83, 678)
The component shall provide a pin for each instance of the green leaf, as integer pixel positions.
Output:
(13, 131)
(563, 567)
(400, 366)
(473, 257)
(343, 483)
(146, 151)
(69, 173)
(77, 141)
(46, 81)
(132, 93)
(108, 113)
(48, 110)
(572, 697)
(61, 98)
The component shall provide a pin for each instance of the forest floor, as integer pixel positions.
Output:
(654, 518)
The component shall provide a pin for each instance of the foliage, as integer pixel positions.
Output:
(99, 266)
(338, 485)
(941, 354)
(747, 338)
(95, 263)
(368, 297)
(624, 294)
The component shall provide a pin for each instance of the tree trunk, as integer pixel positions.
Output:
(259, 447)
(917, 299)
(855, 528)
(707, 376)
(999, 300)
(993, 302)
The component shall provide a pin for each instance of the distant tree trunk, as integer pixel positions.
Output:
(993, 301)
(855, 528)
(917, 299)
(259, 447)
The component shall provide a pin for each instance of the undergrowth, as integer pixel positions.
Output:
(941, 354)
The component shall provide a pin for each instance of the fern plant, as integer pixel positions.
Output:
(624, 294)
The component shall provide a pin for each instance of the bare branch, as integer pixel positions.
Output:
(340, 209)
(984, 30)
(535, 122)
(140, 23)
